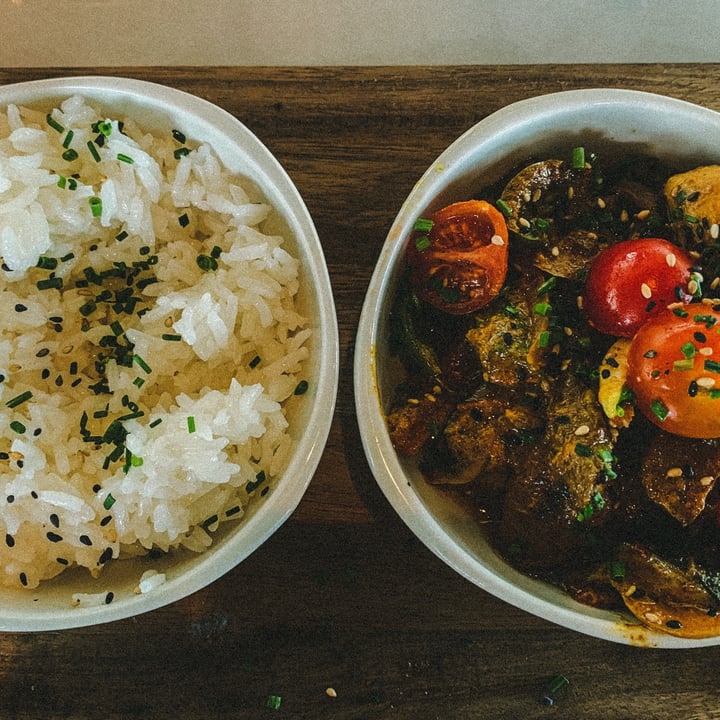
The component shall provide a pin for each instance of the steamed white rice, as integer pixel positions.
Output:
(149, 342)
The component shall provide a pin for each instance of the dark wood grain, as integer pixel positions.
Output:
(344, 596)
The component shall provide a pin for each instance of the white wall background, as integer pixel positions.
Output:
(64, 33)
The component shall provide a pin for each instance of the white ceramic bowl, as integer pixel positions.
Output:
(538, 127)
(161, 108)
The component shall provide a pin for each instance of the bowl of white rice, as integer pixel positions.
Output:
(168, 348)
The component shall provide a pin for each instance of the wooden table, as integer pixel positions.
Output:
(343, 613)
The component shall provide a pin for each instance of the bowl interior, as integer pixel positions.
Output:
(161, 109)
(612, 122)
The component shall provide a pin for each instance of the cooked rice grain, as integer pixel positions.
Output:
(150, 340)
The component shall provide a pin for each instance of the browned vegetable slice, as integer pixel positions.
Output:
(563, 486)
(663, 596)
(679, 473)
(416, 422)
(507, 340)
(693, 198)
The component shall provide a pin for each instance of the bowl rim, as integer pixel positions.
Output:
(163, 101)
(383, 461)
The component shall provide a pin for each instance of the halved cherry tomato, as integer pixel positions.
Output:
(460, 264)
(634, 280)
(674, 370)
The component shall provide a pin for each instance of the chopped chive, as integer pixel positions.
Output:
(712, 366)
(62, 182)
(121, 236)
(206, 262)
(301, 388)
(19, 399)
(216, 252)
(17, 427)
(136, 461)
(578, 158)
(680, 312)
(68, 139)
(50, 284)
(109, 501)
(179, 136)
(47, 263)
(93, 150)
(191, 424)
(548, 285)
(423, 225)
(95, 206)
(125, 158)
(544, 339)
(503, 207)
(155, 422)
(181, 152)
(138, 382)
(542, 308)
(171, 337)
(583, 450)
(54, 124)
(70, 154)
(688, 350)
(254, 362)
(88, 308)
(184, 220)
(422, 243)
(143, 365)
(686, 364)
(105, 128)
(659, 409)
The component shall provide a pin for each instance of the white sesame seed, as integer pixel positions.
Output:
(571, 192)
(643, 215)
(692, 287)
(707, 480)
(624, 217)
(330, 692)
(497, 240)
(714, 231)
(525, 223)
(706, 382)
(670, 259)
(646, 291)
(674, 472)
(536, 195)
(651, 617)
(601, 203)
(582, 430)
(705, 351)
(555, 251)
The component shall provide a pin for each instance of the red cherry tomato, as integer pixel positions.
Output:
(634, 280)
(674, 370)
(460, 264)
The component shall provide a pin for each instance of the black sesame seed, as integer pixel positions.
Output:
(20, 307)
(693, 389)
(712, 612)
(33, 495)
(62, 561)
(109, 598)
(105, 520)
(106, 555)
(55, 520)
(43, 352)
(85, 540)
(612, 362)
(59, 381)
(9, 540)
(23, 579)
(650, 306)
(45, 374)
(674, 624)
(4, 456)
(700, 337)
(10, 499)
(97, 488)
(54, 537)
(605, 374)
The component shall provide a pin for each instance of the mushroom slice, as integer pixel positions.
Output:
(663, 596)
